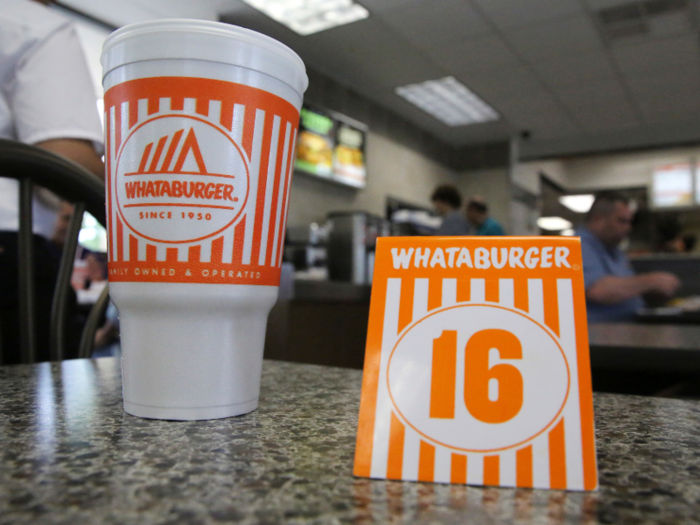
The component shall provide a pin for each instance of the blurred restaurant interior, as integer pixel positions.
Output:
(422, 117)
(531, 107)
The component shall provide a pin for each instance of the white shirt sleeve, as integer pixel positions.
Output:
(52, 95)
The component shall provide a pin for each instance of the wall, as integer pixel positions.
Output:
(527, 174)
(396, 171)
(599, 172)
(393, 170)
(494, 185)
(622, 170)
(403, 162)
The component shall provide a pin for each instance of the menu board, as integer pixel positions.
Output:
(672, 186)
(331, 146)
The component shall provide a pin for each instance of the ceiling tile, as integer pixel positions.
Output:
(437, 22)
(657, 55)
(606, 116)
(681, 79)
(542, 116)
(670, 24)
(592, 93)
(380, 6)
(502, 84)
(565, 90)
(674, 94)
(476, 54)
(555, 38)
(575, 69)
(554, 131)
(523, 110)
(509, 13)
(604, 4)
(667, 115)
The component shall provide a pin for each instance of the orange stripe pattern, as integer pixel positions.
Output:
(236, 264)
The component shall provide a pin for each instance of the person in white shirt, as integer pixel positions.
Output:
(47, 98)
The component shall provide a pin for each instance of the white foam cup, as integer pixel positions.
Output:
(200, 132)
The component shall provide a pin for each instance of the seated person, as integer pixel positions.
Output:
(447, 201)
(478, 216)
(613, 291)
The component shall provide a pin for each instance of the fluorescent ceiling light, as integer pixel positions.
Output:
(554, 223)
(578, 203)
(569, 232)
(449, 101)
(310, 16)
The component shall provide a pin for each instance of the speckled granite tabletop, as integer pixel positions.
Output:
(70, 455)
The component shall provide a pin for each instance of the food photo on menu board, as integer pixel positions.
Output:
(331, 146)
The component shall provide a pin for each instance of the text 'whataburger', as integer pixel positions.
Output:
(481, 258)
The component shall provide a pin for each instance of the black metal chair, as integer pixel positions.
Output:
(33, 166)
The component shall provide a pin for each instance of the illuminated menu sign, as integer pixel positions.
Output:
(672, 186)
(332, 147)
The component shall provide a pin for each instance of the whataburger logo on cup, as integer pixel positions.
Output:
(199, 174)
(477, 368)
(145, 192)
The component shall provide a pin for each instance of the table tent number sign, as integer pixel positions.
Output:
(477, 367)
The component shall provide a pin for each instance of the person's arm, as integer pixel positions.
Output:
(611, 289)
(79, 151)
(53, 101)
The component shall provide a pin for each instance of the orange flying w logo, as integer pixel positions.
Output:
(189, 145)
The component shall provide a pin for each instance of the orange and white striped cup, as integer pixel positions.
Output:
(200, 132)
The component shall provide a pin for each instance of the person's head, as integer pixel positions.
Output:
(477, 211)
(610, 217)
(446, 199)
(60, 229)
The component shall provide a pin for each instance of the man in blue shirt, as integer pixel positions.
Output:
(478, 216)
(613, 291)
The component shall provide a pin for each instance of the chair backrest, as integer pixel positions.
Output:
(32, 166)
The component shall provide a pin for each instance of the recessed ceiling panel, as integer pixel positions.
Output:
(448, 100)
(308, 17)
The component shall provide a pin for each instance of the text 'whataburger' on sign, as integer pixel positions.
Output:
(481, 258)
(176, 188)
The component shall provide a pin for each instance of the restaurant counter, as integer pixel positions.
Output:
(652, 348)
(325, 322)
(70, 455)
(319, 322)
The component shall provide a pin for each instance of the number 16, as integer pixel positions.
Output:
(477, 376)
